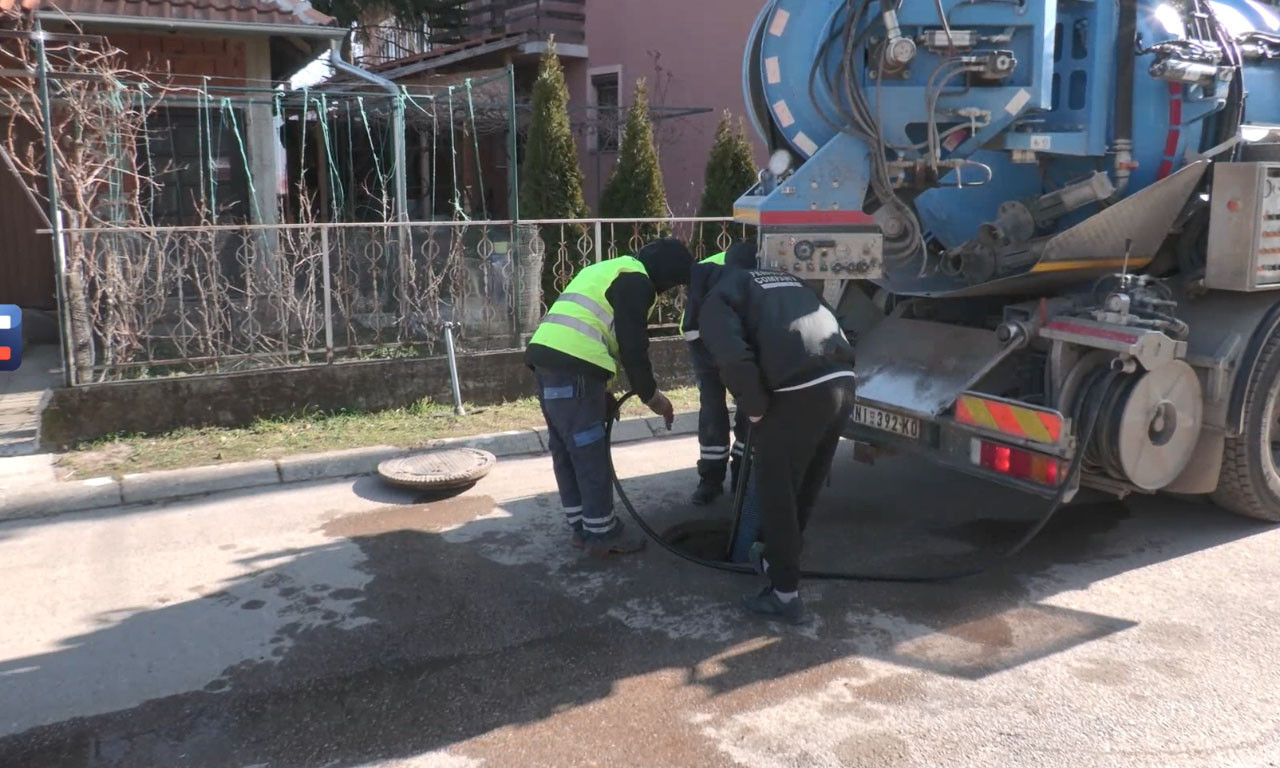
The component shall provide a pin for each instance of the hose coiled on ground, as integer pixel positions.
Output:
(1091, 415)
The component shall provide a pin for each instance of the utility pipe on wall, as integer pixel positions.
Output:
(400, 179)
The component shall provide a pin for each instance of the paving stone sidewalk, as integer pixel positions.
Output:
(21, 393)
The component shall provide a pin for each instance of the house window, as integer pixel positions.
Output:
(186, 153)
(605, 96)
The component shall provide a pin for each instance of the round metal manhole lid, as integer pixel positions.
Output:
(439, 469)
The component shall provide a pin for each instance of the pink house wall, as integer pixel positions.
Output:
(690, 52)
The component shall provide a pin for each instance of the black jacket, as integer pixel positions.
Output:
(703, 279)
(769, 331)
(631, 295)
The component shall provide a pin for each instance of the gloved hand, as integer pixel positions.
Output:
(660, 405)
(611, 407)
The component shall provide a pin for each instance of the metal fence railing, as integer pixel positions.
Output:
(156, 301)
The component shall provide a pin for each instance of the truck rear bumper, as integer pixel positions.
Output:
(948, 443)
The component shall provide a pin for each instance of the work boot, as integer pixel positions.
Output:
(577, 540)
(620, 541)
(706, 492)
(769, 606)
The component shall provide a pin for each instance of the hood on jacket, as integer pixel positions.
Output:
(741, 255)
(668, 263)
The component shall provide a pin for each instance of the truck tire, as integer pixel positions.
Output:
(1250, 480)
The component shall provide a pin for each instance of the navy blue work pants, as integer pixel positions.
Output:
(574, 407)
(713, 420)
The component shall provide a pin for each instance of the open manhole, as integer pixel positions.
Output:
(707, 539)
(451, 469)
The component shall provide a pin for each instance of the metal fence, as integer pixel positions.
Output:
(157, 301)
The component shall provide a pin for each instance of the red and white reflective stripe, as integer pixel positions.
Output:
(1017, 420)
(809, 218)
(1174, 135)
(1091, 331)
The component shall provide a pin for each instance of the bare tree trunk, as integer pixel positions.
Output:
(81, 319)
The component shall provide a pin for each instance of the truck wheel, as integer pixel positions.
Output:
(1250, 481)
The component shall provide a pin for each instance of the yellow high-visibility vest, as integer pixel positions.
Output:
(580, 322)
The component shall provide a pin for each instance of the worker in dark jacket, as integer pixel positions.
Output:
(782, 354)
(715, 455)
(598, 323)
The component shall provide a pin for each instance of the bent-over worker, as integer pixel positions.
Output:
(715, 455)
(600, 321)
(782, 354)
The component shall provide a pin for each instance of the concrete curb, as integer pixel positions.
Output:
(168, 485)
(160, 486)
(326, 466)
(47, 500)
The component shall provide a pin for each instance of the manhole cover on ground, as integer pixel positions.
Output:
(438, 470)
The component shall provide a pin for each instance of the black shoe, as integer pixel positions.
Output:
(621, 541)
(706, 492)
(769, 606)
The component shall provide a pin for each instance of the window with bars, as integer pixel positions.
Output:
(606, 98)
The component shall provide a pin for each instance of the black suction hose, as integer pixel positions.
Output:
(1073, 474)
(739, 488)
(1126, 60)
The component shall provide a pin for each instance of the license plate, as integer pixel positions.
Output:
(888, 422)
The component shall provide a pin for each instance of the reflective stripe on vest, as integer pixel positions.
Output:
(580, 322)
(718, 260)
(603, 314)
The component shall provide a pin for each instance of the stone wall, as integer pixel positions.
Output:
(155, 406)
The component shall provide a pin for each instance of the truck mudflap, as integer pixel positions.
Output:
(919, 368)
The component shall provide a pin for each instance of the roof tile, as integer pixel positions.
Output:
(243, 11)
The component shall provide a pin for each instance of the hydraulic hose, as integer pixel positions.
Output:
(1126, 60)
(1126, 57)
(1073, 474)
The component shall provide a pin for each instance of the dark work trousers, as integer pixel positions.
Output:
(574, 407)
(713, 420)
(794, 445)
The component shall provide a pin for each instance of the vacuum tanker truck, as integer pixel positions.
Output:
(1054, 226)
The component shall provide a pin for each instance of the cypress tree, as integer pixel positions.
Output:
(731, 171)
(635, 190)
(550, 174)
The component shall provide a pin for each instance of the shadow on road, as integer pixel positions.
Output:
(472, 618)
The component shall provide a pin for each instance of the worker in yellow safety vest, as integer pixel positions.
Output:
(599, 325)
(715, 455)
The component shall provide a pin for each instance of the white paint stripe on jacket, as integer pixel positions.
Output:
(820, 380)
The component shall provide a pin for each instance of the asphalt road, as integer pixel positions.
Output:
(343, 624)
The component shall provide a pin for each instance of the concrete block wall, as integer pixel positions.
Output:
(155, 406)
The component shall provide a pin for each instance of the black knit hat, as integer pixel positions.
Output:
(668, 263)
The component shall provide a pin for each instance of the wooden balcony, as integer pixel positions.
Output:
(540, 19)
(479, 21)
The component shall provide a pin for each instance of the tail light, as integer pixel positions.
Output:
(1016, 462)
